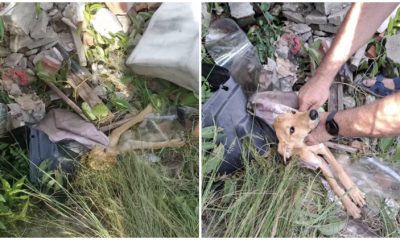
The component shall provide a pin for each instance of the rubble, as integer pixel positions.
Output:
(393, 48)
(338, 17)
(293, 16)
(316, 18)
(243, 13)
(105, 22)
(330, 7)
(13, 59)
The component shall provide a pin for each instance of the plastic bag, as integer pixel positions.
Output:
(230, 48)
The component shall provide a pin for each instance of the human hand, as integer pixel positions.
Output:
(314, 93)
(319, 134)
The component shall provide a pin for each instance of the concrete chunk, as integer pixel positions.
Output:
(39, 26)
(328, 28)
(316, 18)
(18, 17)
(13, 59)
(293, 16)
(330, 7)
(337, 18)
(241, 10)
(393, 48)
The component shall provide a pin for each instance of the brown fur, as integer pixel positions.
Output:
(293, 144)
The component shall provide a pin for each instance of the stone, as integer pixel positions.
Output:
(330, 7)
(316, 18)
(51, 36)
(328, 28)
(15, 90)
(13, 59)
(105, 22)
(292, 7)
(300, 28)
(31, 52)
(19, 41)
(369, 99)
(39, 27)
(320, 33)
(23, 63)
(66, 41)
(305, 36)
(393, 48)
(125, 22)
(241, 10)
(61, 5)
(48, 46)
(293, 16)
(349, 102)
(53, 12)
(74, 12)
(46, 6)
(337, 18)
(18, 17)
(4, 52)
(101, 91)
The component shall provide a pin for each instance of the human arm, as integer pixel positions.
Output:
(377, 119)
(359, 25)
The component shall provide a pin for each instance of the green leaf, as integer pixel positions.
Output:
(87, 110)
(100, 111)
(2, 29)
(19, 183)
(375, 69)
(211, 164)
(385, 143)
(331, 228)
(6, 185)
(2, 199)
(2, 226)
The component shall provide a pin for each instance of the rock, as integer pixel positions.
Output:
(104, 22)
(19, 41)
(31, 52)
(68, 22)
(50, 37)
(349, 102)
(316, 18)
(337, 18)
(330, 7)
(101, 91)
(59, 26)
(48, 46)
(300, 28)
(13, 59)
(241, 10)
(125, 22)
(53, 12)
(66, 41)
(119, 8)
(18, 17)
(320, 33)
(393, 48)
(305, 36)
(293, 16)
(282, 51)
(61, 5)
(286, 72)
(243, 13)
(46, 6)
(23, 63)
(369, 99)
(4, 52)
(15, 90)
(33, 108)
(74, 12)
(292, 7)
(39, 27)
(328, 28)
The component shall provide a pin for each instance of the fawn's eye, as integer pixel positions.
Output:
(291, 130)
(293, 112)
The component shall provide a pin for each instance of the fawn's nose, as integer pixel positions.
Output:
(313, 114)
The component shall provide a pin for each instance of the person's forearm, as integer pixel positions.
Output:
(359, 25)
(378, 119)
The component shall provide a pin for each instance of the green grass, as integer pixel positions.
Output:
(267, 199)
(134, 199)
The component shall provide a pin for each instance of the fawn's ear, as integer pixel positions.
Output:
(285, 150)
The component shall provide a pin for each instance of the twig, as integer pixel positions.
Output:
(154, 145)
(66, 99)
(341, 147)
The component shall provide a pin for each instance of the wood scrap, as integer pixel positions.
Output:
(341, 147)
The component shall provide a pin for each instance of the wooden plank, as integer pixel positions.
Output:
(340, 97)
(333, 98)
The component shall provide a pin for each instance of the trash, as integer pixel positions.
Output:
(105, 22)
(169, 47)
(230, 48)
(60, 124)
(18, 76)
